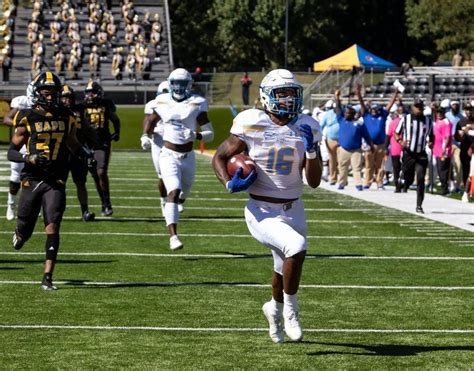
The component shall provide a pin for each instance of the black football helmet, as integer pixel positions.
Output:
(68, 97)
(93, 93)
(46, 90)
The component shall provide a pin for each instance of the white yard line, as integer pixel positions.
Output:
(228, 329)
(240, 256)
(207, 235)
(242, 285)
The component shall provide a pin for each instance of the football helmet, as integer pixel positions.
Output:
(163, 88)
(180, 82)
(93, 93)
(46, 90)
(278, 81)
(68, 97)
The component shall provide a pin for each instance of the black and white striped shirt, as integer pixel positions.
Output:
(416, 132)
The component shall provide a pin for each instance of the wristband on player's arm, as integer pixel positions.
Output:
(207, 133)
(14, 155)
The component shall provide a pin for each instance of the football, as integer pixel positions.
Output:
(240, 160)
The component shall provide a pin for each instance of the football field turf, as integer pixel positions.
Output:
(380, 288)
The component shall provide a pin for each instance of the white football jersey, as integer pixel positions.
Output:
(278, 152)
(178, 117)
(21, 102)
(149, 109)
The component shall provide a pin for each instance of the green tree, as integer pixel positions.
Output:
(439, 27)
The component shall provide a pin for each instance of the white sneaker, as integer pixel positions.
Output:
(175, 243)
(465, 197)
(11, 211)
(292, 326)
(180, 208)
(274, 322)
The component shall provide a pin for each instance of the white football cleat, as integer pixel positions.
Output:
(292, 326)
(11, 211)
(274, 321)
(175, 243)
(180, 208)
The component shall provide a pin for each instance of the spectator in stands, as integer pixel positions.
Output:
(414, 132)
(465, 135)
(375, 121)
(36, 64)
(136, 27)
(442, 148)
(394, 149)
(103, 41)
(112, 30)
(94, 63)
(59, 62)
(118, 63)
(129, 37)
(454, 115)
(6, 62)
(73, 65)
(91, 29)
(406, 70)
(155, 39)
(457, 59)
(146, 24)
(130, 64)
(330, 129)
(351, 133)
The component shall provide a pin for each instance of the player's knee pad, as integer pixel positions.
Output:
(171, 213)
(297, 245)
(52, 246)
(14, 187)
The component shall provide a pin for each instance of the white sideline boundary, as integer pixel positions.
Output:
(243, 256)
(242, 285)
(228, 329)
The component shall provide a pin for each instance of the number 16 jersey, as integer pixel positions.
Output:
(278, 152)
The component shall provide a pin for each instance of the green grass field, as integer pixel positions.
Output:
(380, 288)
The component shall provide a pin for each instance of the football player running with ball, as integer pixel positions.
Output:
(48, 130)
(184, 118)
(97, 114)
(283, 143)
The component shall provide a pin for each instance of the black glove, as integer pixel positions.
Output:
(39, 159)
(115, 137)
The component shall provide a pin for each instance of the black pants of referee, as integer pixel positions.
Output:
(415, 163)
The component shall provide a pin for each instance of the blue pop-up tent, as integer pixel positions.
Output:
(355, 56)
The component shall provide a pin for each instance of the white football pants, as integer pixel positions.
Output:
(281, 227)
(177, 170)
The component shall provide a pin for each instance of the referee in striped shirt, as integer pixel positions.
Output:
(414, 132)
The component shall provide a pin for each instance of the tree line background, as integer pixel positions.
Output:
(237, 35)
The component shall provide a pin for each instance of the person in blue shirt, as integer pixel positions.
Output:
(375, 120)
(330, 128)
(454, 115)
(351, 132)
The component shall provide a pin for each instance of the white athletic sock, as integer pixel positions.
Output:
(11, 199)
(171, 213)
(276, 305)
(290, 303)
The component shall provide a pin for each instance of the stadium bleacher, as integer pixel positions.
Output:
(21, 74)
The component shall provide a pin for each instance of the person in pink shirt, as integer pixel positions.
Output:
(442, 148)
(395, 148)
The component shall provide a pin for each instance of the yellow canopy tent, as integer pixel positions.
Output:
(355, 56)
